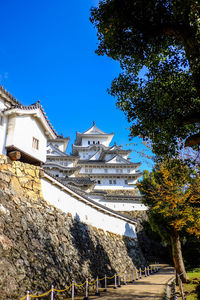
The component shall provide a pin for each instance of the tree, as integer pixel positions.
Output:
(161, 40)
(172, 193)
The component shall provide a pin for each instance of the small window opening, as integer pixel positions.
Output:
(35, 143)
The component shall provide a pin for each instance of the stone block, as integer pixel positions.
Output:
(29, 185)
(4, 177)
(30, 172)
(23, 180)
(5, 242)
(3, 167)
(16, 187)
(36, 186)
(32, 195)
(19, 173)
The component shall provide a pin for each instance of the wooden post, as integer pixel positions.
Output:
(115, 287)
(105, 290)
(52, 296)
(14, 155)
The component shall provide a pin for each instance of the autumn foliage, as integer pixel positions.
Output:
(172, 193)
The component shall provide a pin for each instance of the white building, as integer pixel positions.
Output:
(24, 133)
(105, 172)
(24, 130)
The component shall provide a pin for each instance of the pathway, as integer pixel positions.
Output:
(147, 288)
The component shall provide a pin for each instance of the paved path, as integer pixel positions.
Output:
(147, 288)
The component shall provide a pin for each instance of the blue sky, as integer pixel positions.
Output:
(47, 52)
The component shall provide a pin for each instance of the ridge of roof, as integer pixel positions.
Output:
(56, 149)
(12, 98)
(94, 126)
(56, 165)
(81, 180)
(124, 159)
(82, 161)
(33, 106)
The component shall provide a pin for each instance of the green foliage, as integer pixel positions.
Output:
(161, 40)
(172, 193)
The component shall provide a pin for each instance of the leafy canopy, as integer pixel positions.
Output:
(172, 193)
(159, 39)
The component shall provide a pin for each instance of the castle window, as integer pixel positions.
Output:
(35, 143)
(88, 142)
(112, 181)
(93, 142)
(99, 181)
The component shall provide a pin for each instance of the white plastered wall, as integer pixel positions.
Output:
(102, 140)
(22, 130)
(84, 212)
(125, 205)
(3, 128)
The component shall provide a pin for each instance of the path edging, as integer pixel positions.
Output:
(170, 289)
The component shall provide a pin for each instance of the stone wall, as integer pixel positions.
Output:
(40, 245)
(150, 242)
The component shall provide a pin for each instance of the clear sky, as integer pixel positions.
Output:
(47, 53)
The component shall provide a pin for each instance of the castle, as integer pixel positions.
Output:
(105, 173)
(99, 171)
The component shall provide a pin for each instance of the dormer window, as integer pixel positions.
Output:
(35, 143)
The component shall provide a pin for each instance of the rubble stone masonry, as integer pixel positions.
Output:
(40, 245)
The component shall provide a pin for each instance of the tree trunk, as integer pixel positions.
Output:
(177, 256)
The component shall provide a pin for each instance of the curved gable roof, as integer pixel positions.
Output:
(34, 109)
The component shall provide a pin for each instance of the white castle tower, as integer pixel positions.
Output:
(105, 172)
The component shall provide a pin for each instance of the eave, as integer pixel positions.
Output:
(37, 113)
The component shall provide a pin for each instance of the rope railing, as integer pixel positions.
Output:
(147, 271)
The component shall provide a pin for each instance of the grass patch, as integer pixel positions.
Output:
(192, 289)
